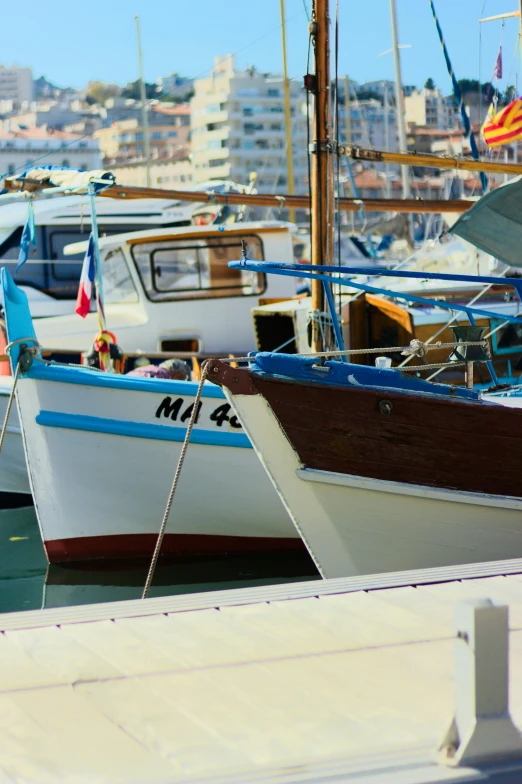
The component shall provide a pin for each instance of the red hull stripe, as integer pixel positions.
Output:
(142, 546)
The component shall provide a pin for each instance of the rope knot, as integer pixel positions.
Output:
(416, 349)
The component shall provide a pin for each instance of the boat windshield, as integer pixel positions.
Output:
(118, 286)
(198, 268)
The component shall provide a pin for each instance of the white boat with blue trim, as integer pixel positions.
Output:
(101, 451)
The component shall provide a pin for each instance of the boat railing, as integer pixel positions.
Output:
(345, 276)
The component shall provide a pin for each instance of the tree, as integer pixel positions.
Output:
(429, 84)
(132, 90)
(98, 92)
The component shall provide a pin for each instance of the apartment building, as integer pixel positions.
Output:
(431, 108)
(238, 127)
(22, 148)
(123, 141)
(370, 125)
(174, 173)
(16, 84)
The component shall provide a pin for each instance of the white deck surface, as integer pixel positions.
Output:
(305, 682)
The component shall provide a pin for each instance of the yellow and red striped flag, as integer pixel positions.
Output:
(505, 126)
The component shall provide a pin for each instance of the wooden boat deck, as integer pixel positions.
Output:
(300, 682)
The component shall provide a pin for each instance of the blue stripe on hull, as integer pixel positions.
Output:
(118, 427)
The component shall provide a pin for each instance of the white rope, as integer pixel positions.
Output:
(9, 405)
(186, 440)
(414, 346)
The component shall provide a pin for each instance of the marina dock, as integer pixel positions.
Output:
(314, 681)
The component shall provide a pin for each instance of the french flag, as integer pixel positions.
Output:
(83, 300)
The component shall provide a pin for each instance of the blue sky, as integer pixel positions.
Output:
(73, 42)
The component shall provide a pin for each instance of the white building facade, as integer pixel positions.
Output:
(165, 173)
(238, 127)
(16, 84)
(371, 125)
(18, 152)
(431, 108)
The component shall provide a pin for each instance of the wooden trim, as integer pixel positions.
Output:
(401, 488)
(433, 161)
(424, 440)
(212, 233)
(395, 312)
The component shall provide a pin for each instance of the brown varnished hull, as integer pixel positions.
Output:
(474, 447)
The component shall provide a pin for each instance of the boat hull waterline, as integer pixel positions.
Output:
(101, 462)
(101, 453)
(379, 480)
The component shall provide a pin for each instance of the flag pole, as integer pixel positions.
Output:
(100, 299)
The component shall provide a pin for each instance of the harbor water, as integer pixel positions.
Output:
(28, 582)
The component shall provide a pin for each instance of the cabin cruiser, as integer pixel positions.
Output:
(49, 278)
(171, 289)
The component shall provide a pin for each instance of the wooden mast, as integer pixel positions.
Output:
(288, 116)
(322, 172)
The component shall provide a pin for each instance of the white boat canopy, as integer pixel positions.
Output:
(494, 223)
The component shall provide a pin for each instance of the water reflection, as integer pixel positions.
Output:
(27, 582)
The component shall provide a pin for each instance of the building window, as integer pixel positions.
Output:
(83, 167)
(252, 127)
(172, 134)
(273, 93)
(214, 163)
(65, 163)
(10, 169)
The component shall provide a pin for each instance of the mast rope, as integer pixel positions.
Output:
(458, 97)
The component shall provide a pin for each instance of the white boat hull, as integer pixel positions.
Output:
(101, 462)
(357, 526)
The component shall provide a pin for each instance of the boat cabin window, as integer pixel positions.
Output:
(59, 280)
(507, 339)
(194, 269)
(118, 286)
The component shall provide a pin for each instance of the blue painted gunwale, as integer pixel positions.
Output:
(90, 378)
(120, 427)
(20, 325)
(296, 367)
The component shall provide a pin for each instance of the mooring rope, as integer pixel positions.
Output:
(193, 417)
(9, 405)
(32, 350)
(415, 347)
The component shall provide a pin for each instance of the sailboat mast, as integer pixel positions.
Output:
(399, 100)
(288, 116)
(322, 172)
(143, 96)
